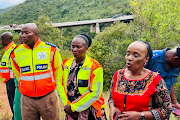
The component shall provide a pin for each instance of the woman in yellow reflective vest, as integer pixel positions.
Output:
(81, 84)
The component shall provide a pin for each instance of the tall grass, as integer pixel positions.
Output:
(1, 79)
(5, 116)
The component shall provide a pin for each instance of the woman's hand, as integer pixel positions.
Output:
(113, 109)
(130, 115)
(74, 115)
(67, 109)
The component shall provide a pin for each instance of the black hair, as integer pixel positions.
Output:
(88, 37)
(150, 52)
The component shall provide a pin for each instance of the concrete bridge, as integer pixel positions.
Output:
(93, 23)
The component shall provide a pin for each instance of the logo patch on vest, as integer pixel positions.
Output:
(42, 67)
(25, 69)
(42, 55)
(3, 63)
(82, 83)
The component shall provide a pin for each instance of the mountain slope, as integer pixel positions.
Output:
(64, 10)
(6, 9)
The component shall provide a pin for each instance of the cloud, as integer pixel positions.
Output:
(7, 3)
(16, 1)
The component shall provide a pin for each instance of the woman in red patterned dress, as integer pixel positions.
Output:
(136, 92)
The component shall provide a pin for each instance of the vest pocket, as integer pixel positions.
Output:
(82, 83)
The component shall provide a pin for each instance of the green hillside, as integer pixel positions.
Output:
(64, 10)
(6, 9)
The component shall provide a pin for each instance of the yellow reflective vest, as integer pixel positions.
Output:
(5, 72)
(36, 69)
(91, 94)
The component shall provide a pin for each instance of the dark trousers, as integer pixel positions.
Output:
(10, 87)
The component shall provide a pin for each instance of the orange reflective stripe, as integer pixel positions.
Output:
(14, 61)
(37, 43)
(9, 45)
(68, 102)
(51, 72)
(53, 49)
(63, 65)
(13, 57)
(15, 65)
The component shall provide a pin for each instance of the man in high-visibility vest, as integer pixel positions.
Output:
(5, 72)
(36, 65)
(17, 96)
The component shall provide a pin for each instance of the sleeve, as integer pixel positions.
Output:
(61, 90)
(57, 64)
(161, 102)
(14, 66)
(110, 100)
(92, 94)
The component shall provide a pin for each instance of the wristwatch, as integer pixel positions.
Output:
(142, 116)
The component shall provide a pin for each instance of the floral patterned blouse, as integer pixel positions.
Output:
(147, 94)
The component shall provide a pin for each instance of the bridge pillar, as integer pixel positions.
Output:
(61, 32)
(97, 28)
(93, 28)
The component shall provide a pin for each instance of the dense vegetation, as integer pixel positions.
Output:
(64, 10)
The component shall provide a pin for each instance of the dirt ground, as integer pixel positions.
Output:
(5, 110)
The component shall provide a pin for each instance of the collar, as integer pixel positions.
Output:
(162, 57)
(8, 46)
(35, 45)
(86, 61)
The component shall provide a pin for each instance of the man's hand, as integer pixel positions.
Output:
(173, 98)
(176, 105)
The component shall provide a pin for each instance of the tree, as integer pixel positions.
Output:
(48, 33)
(158, 21)
(109, 48)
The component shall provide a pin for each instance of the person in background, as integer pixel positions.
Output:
(136, 92)
(5, 72)
(81, 84)
(20, 38)
(17, 96)
(166, 62)
(36, 65)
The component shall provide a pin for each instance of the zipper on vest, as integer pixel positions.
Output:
(33, 75)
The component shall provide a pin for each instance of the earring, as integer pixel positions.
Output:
(145, 64)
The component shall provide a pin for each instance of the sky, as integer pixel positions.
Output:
(7, 3)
